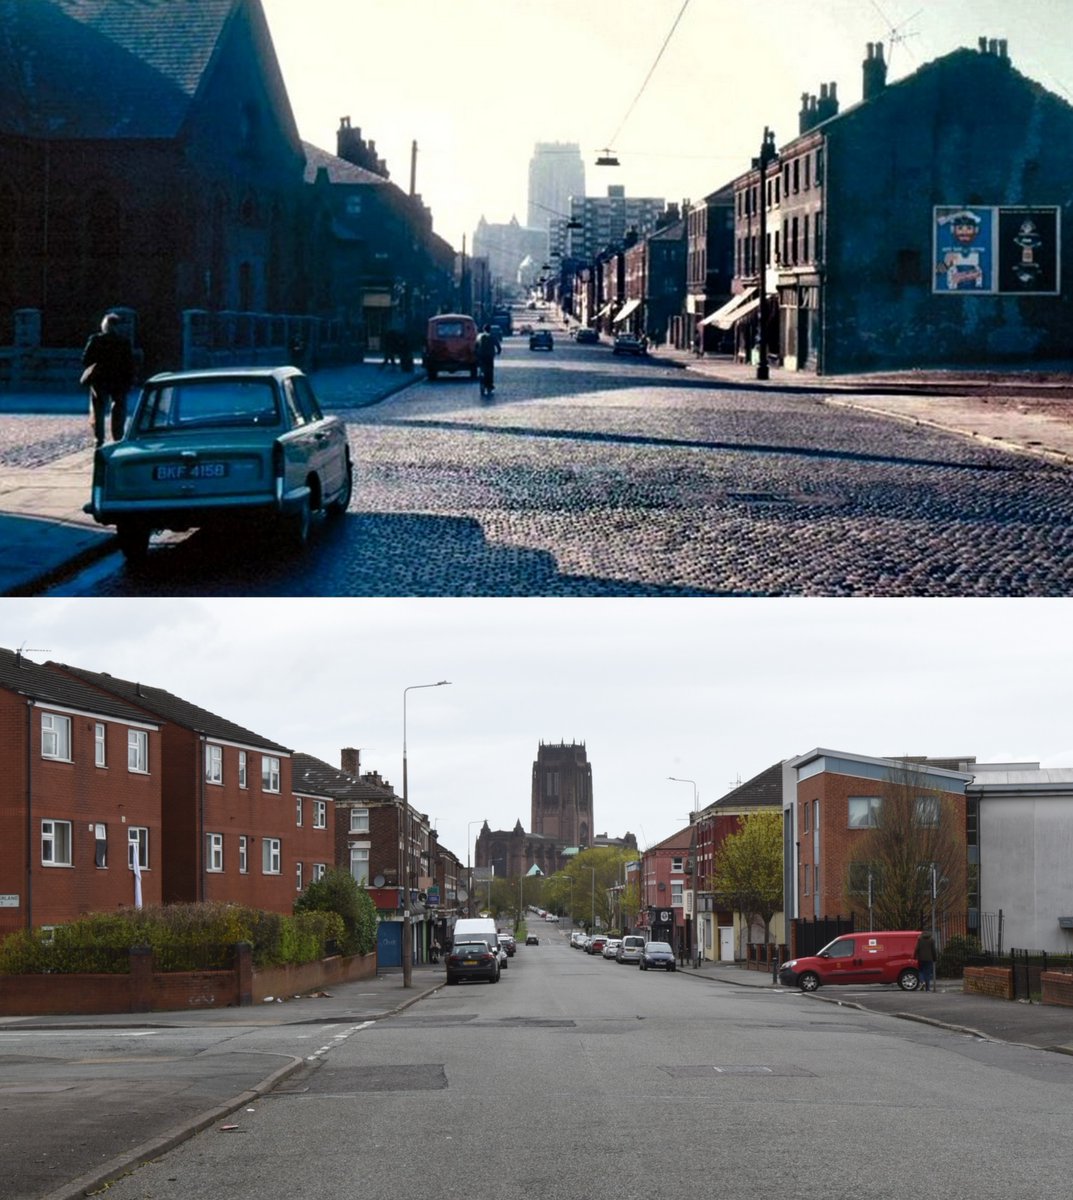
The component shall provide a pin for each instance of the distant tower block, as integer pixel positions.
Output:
(562, 793)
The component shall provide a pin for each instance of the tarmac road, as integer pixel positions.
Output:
(85, 1099)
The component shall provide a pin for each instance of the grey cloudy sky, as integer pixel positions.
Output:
(709, 690)
(478, 83)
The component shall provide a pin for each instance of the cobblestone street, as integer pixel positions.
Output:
(587, 475)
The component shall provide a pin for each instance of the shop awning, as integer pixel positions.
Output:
(629, 307)
(605, 310)
(743, 310)
(720, 314)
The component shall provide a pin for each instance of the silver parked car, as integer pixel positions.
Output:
(205, 448)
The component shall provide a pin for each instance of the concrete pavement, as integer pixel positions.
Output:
(44, 534)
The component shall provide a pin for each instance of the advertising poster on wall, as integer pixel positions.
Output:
(1028, 250)
(983, 250)
(964, 254)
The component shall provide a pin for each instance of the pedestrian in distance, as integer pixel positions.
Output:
(925, 956)
(108, 371)
(486, 357)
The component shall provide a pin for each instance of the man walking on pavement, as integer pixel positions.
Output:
(109, 370)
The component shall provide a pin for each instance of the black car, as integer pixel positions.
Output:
(629, 343)
(531, 939)
(472, 960)
(586, 336)
(540, 339)
(658, 956)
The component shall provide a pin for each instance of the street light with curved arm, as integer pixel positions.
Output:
(404, 874)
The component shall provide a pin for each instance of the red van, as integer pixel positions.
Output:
(451, 345)
(886, 957)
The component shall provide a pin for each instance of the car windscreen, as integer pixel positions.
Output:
(208, 404)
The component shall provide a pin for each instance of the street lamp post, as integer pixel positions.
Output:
(404, 874)
(768, 154)
(694, 947)
(570, 914)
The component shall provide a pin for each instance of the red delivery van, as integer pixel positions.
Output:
(883, 957)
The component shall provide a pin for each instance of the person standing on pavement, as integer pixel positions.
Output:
(109, 371)
(925, 956)
(486, 357)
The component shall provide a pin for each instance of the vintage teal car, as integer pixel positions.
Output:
(207, 448)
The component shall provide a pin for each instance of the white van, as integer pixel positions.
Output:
(470, 928)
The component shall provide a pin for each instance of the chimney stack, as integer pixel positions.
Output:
(875, 71)
(350, 761)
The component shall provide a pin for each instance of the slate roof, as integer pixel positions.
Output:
(339, 170)
(762, 791)
(313, 776)
(105, 68)
(18, 674)
(173, 709)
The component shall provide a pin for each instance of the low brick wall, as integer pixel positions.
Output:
(1056, 988)
(146, 990)
(989, 981)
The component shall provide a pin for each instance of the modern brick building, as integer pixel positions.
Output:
(80, 798)
(232, 826)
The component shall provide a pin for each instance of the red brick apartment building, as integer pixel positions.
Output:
(81, 796)
(837, 798)
(233, 827)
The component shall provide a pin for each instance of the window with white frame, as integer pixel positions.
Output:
(359, 864)
(242, 782)
(319, 871)
(320, 814)
(270, 856)
(805, 878)
(359, 820)
(269, 773)
(677, 863)
(864, 812)
(99, 745)
(214, 763)
(55, 736)
(676, 894)
(297, 877)
(137, 751)
(298, 810)
(55, 843)
(138, 844)
(243, 854)
(100, 846)
(214, 852)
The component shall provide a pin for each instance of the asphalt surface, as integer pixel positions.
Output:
(46, 464)
(201, 1091)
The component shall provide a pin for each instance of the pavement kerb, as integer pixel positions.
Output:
(125, 1164)
(1002, 443)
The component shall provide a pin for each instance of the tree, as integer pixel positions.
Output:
(590, 884)
(748, 870)
(913, 854)
(336, 891)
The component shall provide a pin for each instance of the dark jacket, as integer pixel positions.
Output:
(925, 951)
(112, 355)
(486, 347)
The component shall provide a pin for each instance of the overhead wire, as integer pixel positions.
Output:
(651, 70)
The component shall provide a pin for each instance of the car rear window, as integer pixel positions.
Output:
(449, 329)
(209, 404)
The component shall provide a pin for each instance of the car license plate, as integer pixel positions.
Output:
(169, 472)
(469, 962)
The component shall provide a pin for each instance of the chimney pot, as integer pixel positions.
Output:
(983, 45)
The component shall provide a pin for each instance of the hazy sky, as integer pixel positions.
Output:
(478, 83)
(709, 690)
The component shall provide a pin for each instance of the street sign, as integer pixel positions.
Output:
(9, 901)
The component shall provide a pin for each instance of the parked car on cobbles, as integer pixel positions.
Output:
(208, 448)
